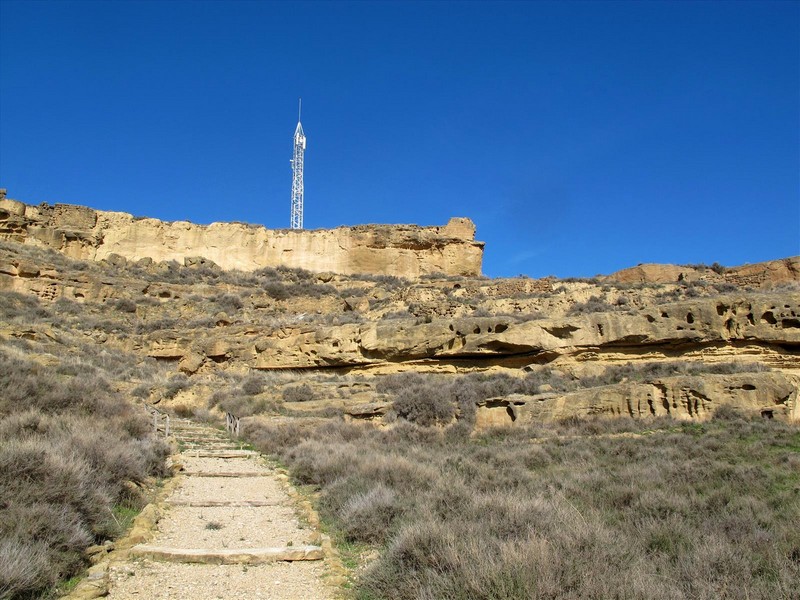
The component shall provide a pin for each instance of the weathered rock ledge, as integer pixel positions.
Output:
(772, 394)
(400, 250)
(766, 326)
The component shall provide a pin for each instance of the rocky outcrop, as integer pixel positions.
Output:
(762, 274)
(399, 250)
(765, 327)
(664, 331)
(773, 395)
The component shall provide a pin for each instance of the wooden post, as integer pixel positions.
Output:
(166, 430)
(232, 424)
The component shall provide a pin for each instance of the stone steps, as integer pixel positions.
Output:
(202, 442)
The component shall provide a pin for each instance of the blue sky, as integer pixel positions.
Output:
(581, 137)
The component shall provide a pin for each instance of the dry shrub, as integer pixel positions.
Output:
(424, 405)
(230, 303)
(125, 305)
(24, 566)
(176, 383)
(253, 385)
(592, 305)
(299, 393)
(68, 445)
(242, 406)
(700, 511)
(368, 516)
(182, 410)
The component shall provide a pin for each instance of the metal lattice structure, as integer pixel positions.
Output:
(297, 174)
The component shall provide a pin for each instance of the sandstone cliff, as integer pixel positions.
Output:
(204, 323)
(683, 397)
(759, 274)
(753, 326)
(400, 250)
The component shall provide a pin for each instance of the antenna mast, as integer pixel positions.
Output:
(297, 172)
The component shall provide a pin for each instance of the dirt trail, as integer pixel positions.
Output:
(229, 530)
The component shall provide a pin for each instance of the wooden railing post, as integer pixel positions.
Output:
(157, 415)
(232, 424)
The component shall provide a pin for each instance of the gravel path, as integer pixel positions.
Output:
(193, 519)
(231, 527)
(230, 488)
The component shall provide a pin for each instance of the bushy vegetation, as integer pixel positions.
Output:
(299, 393)
(680, 511)
(571, 510)
(430, 399)
(592, 305)
(72, 453)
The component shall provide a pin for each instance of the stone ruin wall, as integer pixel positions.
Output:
(407, 251)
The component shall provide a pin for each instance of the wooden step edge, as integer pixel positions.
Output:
(229, 556)
(191, 453)
(227, 474)
(226, 443)
(196, 431)
(220, 445)
(225, 503)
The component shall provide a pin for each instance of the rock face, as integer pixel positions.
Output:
(682, 397)
(667, 331)
(757, 275)
(400, 250)
(164, 291)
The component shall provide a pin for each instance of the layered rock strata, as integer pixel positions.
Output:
(760, 325)
(400, 250)
(771, 394)
(761, 274)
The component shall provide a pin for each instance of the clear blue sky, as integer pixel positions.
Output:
(581, 137)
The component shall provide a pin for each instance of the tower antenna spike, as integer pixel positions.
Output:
(297, 171)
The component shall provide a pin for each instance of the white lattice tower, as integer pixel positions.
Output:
(297, 174)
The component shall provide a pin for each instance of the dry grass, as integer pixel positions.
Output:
(69, 450)
(682, 511)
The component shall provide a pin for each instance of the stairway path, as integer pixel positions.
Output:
(228, 530)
